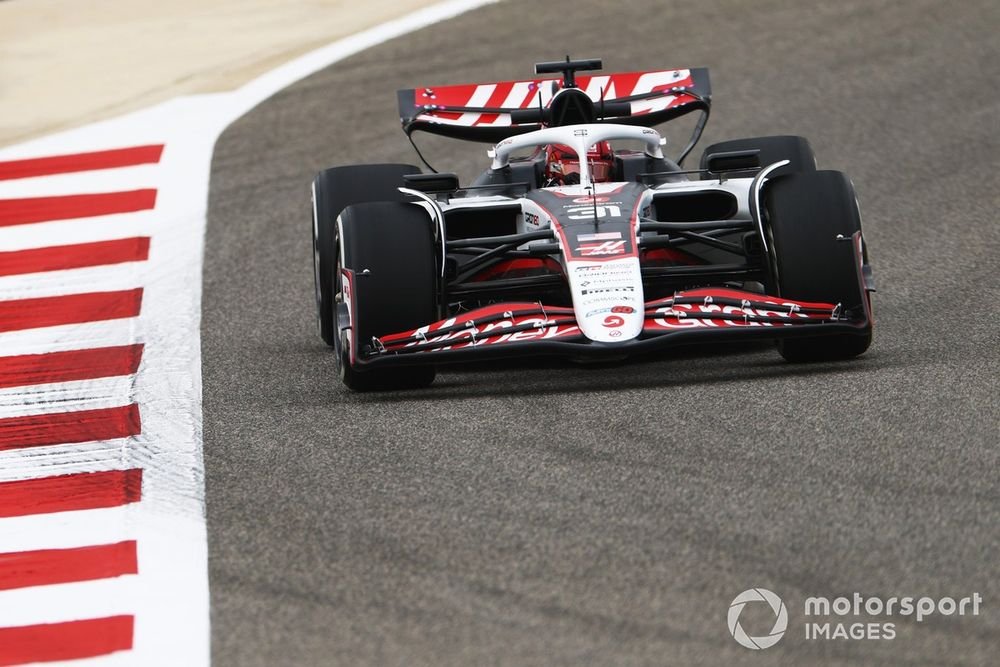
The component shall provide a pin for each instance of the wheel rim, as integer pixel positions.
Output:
(339, 308)
(343, 348)
(317, 273)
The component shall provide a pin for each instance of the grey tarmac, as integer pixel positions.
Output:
(553, 514)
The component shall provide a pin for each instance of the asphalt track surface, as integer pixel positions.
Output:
(555, 514)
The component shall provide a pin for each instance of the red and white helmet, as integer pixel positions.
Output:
(562, 165)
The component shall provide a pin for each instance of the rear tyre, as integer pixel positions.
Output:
(334, 190)
(805, 214)
(772, 149)
(390, 247)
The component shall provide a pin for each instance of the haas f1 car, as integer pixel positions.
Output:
(568, 245)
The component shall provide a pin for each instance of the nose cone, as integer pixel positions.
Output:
(608, 298)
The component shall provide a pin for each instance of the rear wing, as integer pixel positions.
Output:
(482, 112)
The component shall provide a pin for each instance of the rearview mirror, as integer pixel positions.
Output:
(431, 183)
(733, 161)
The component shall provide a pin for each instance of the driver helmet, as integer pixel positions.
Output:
(562, 165)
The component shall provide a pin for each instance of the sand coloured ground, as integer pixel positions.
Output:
(65, 64)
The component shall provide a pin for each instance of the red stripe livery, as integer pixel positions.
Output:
(78, 256)
(66, 207)
(69, 427)
(65, 164)
(70, 493)
(53, 311)
(45, 567)
(71, 640)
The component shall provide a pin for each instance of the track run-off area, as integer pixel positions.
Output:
(547, 513)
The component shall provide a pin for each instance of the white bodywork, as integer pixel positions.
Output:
(607, 291)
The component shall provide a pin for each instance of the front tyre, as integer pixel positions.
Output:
(391, 250)
(333, 190)
(805, 214)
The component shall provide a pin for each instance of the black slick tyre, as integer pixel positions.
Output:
(390, 247)
(805, 214)
(333, 190)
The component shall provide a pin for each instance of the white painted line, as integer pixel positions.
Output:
(106, 333)
(45, 399)
(68, 602)
(124, 178)
(82, 230)
(110, 278)
(65, 530)
(51, 460)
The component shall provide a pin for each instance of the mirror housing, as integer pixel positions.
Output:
(748, 160)
(432, 183)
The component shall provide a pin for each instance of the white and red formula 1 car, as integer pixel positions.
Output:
(569, 246)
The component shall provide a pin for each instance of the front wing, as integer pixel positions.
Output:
(527, 329)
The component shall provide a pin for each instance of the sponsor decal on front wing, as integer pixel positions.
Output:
(607, 316)
(753, 308)
(492, 325)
